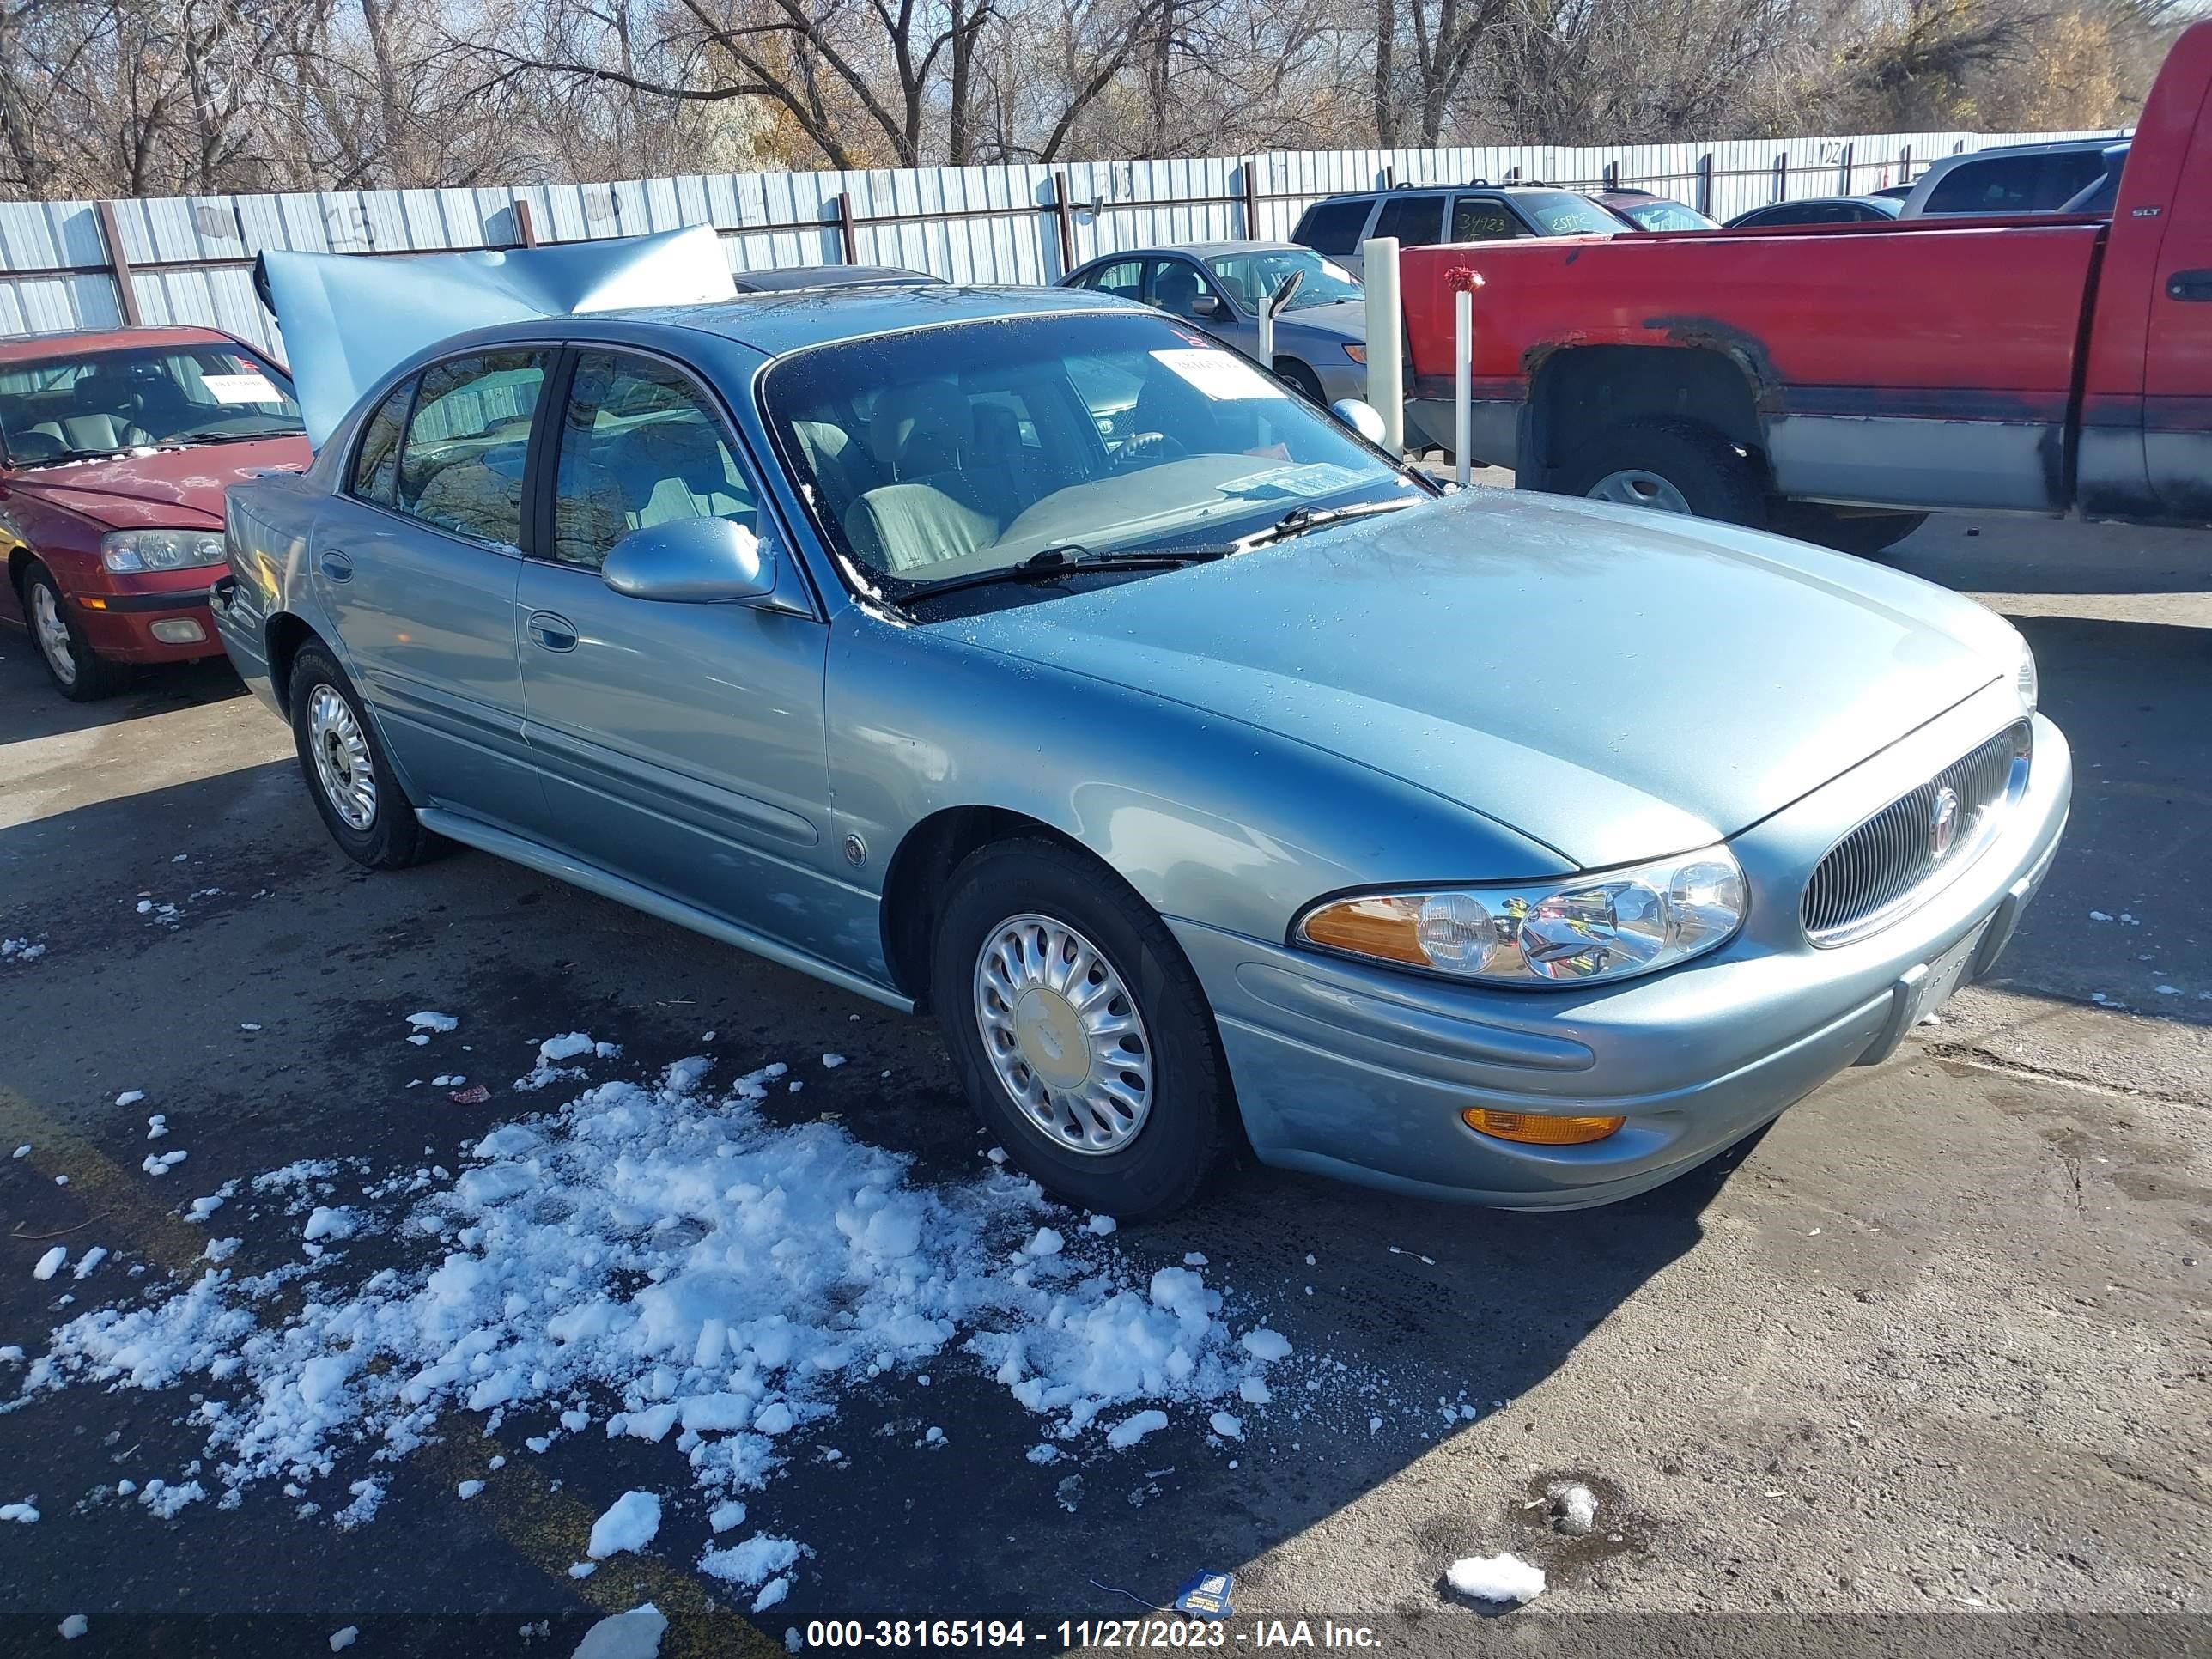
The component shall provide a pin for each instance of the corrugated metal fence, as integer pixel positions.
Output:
(189, 259)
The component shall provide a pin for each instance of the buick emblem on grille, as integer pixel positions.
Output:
(1943, 822)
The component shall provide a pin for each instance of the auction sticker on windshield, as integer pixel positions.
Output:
(241, 389)
(1221, 376)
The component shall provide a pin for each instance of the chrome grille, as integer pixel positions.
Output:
(1890, 863)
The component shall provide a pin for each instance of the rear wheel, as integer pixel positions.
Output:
(1673, 466)
(346, 771)
(78, 672)
(1082, 1036)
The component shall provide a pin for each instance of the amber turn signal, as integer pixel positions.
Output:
(1379, 926)
(1537, 1129)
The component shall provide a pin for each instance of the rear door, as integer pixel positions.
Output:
(2177, 366)
(1416, 218)
(417, 562)
(681, 745)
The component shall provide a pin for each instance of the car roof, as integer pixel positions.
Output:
(778, 323)
(38, 347)
(1475, 186)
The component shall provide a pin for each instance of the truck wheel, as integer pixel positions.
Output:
(1864, 534)
(1674, 466)
(1082, 1036)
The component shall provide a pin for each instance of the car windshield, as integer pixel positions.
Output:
(1666, 215)
(939, 455)
(1253, 276)
(1563, 213)
(104, 403)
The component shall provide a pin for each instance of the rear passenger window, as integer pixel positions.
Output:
(1124, 278)
(639, 446)
(1415, 221)
(461, 467)
(376, 463)
(1335, 226)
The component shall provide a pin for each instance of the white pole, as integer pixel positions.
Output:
(1462, 387)
(1385, 380)
(1267, 331)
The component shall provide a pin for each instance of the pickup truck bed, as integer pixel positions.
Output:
(2035, 364)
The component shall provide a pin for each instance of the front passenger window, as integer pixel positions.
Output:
(639, 446)
(461, 469)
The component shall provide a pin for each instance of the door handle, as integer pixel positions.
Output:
(337, 567)
(2190, 285)
(553, 633)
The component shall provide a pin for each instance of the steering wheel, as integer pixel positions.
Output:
(1148, 449)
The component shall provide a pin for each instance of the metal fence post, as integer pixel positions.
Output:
(1705, 184)
(1251, 200)
(1781, 177)
(1064, 212)
(1905, 165)
(119, 262)
(526, 226)
(1845, 172)
(1612, 175)
(846, 237)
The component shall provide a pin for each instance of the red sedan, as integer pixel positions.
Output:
(115, 449)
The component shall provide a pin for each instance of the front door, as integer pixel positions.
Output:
(681, 745)
(2177, 370)
(417, 563)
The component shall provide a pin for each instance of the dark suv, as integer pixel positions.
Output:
(1419, 214)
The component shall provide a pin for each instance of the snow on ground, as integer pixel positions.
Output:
(660, 1260)
(20, 949)
(628, 1524)
(1496, 1578)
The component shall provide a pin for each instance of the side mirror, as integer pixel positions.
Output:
(1207, 304)
(1280, 300)
(692, 561)
(1361, 417)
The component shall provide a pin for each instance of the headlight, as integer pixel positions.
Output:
(1608, 927)
(2029, 687)
(128, 551)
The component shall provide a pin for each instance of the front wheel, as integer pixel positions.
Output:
(78, 672)
(1080, 1033)
(1297, 374)
(347, 774)
(1673, 466)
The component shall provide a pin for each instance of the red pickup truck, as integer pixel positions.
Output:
(1838, 381)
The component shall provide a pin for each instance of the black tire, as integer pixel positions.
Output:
(393, 837)
(1179, 1141)
(1308, 382)
(1703, 466)
(1864, 534)
(88, 675)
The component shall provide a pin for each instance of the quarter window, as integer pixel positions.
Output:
(376, 463)
(1415, 221)
(1335, 226)
(639, 446)
(461, 467)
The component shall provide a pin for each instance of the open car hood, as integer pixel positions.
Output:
(347, 319)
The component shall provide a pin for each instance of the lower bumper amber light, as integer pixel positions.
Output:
(1539, 1130)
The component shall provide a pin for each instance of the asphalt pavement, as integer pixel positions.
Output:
(1923, 1369)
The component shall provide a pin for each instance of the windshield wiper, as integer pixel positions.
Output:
(234, 437)
(1300, 520)
(1065, 559)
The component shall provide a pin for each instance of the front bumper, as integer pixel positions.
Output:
(159, 617)
(1362, 1074)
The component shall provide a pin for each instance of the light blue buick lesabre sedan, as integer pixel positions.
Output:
(1024, 656)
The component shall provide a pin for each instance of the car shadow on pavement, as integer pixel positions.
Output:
(1439, 1316)
(2116, 918)
(30, 707)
